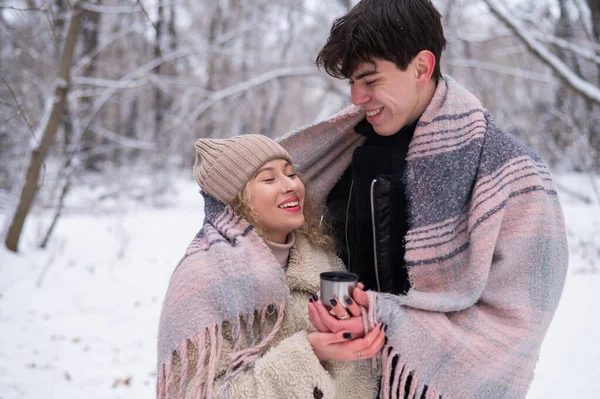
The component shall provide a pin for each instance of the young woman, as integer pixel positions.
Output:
(234, 321)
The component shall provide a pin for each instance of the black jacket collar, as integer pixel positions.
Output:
(401, 137)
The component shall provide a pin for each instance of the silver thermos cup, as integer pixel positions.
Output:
(337, 285)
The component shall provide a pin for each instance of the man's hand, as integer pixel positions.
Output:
(360, 296)
(341, 346)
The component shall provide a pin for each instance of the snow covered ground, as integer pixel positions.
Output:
(79, 319)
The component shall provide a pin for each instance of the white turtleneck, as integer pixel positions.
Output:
(282, 251)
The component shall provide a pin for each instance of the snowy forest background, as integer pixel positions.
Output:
(101, 102)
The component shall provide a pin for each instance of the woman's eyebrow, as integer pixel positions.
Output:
(264, 169)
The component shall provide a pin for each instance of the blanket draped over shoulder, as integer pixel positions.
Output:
(486, 249)
(227, 275)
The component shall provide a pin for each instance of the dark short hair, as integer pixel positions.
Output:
(391, 30)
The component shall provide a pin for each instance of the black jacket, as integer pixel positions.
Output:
(368, 210)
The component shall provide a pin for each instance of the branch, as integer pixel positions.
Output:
(238, 31)
(111, 84)
(36, 56)
(108, 9)
(501, 69)
(581, 86)
(103, 9)
(105, 43)
(21, 112)
(241, 87)
(13, 8)
(586, 53)
(124, 142)
(136, 73)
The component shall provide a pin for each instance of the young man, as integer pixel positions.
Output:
(454, 226)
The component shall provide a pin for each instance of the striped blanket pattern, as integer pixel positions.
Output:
(227, 275)
(486, 250)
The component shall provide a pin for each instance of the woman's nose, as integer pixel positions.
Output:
(289, 184)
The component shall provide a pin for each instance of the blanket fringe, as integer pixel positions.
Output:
(169, 378)
(236, 333)
(160, 384)
(183, 353)
(243, 358)
(250, 328)
(386, 364)
(199, 342)
(396, 380)
(209, 344)
(394, 386)
(403, 380)
(263, 322)
(213, 360)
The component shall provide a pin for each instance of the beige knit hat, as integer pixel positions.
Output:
(224, 166)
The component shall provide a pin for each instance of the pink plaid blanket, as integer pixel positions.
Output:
(486, 250)
(227, 275)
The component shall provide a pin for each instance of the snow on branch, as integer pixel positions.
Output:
(109, 40)
(578, 84)
(13, 8)
(586, 53)
(104, 9)
(131, 77)
(247, 85)
(124, 142)
(109, 9)
(502, 70)
(113, 84)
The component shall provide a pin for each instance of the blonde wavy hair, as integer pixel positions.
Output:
(314, 228)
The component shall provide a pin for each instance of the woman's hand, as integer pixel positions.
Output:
(325, 322)
(346, 319)
(341, 346)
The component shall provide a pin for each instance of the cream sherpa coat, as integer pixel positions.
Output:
(290, 369)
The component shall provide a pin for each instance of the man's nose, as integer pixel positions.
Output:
(359, 95)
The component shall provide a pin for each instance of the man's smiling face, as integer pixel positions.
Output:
(389, 96)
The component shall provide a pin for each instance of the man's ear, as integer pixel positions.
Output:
(424, 63)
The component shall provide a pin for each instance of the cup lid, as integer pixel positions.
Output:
(345, 277)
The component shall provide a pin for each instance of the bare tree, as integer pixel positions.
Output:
(47, 128)
(562, 70)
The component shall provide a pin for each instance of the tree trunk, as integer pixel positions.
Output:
(51, 120)
(594, 6)
(158, 96)
(595, 12)
(90, 34)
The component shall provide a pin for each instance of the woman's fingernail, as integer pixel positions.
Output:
(310, 300)
(314, 297)
(385, 327)
(348, 301)
(385, 340)
(360, 285)
(347, 335)
(333, 302)
(381, 326)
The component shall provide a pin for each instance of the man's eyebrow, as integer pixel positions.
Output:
(365, 74)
